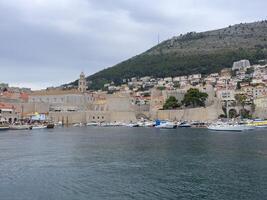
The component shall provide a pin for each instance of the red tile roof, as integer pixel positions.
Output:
(6, 106)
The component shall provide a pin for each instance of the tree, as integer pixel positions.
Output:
(245, 113)
(233, 113)
(241, 99)
(171, 103)
(194, 98)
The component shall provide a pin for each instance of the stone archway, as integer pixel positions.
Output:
(141, 116)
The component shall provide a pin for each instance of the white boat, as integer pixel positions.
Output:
(78, 125)
(166, 125)
(92, 124)
(3, 128)
(20, 127)
(132, 125)
(39, 127)
(230, 127)
(149, 124)
(184, 125)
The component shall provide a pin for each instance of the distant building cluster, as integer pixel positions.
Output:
(140, 97)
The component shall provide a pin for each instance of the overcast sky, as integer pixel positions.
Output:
(49, 42)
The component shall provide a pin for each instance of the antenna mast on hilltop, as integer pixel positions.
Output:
(158, 39)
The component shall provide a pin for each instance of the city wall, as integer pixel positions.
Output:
(194, 114)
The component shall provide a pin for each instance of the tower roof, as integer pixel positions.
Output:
(82, 74)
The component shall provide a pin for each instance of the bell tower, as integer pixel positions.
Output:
(82, 85)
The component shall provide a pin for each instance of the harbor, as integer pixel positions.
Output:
(132, 163)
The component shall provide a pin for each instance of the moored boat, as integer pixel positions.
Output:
(184, 125)
(3, 127)
(132, 125)
(41, 126)
(78, 125)
(230, 127)
(92, 124)
(50, 125)
(166, 125)
(258, 123)
(3, 124)
(20, 127)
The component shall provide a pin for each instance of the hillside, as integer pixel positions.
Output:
(204, 52)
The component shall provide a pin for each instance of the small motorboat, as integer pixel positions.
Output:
(230, 127)
(184, 125)
(92, 124)
(166, 125)
(41, 126)
(20, 127)
(50, 125)
(78, 125)
(132, 125)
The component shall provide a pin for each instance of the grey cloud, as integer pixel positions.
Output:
(53, 40)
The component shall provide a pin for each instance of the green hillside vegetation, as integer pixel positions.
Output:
(204, 53)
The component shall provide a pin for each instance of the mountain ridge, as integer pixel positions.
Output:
(203, 52)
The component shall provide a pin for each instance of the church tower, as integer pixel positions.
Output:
(82, 85)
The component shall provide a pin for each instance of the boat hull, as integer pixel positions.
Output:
(20, 127)
(4, 128)
(166, 126)
(235, 128)
(50, 126)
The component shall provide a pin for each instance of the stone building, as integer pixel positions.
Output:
(82, 84)
(8, 113)
(241, 65)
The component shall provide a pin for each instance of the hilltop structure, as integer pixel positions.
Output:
(82, 83)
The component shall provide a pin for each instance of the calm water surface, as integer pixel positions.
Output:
(132, 163)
